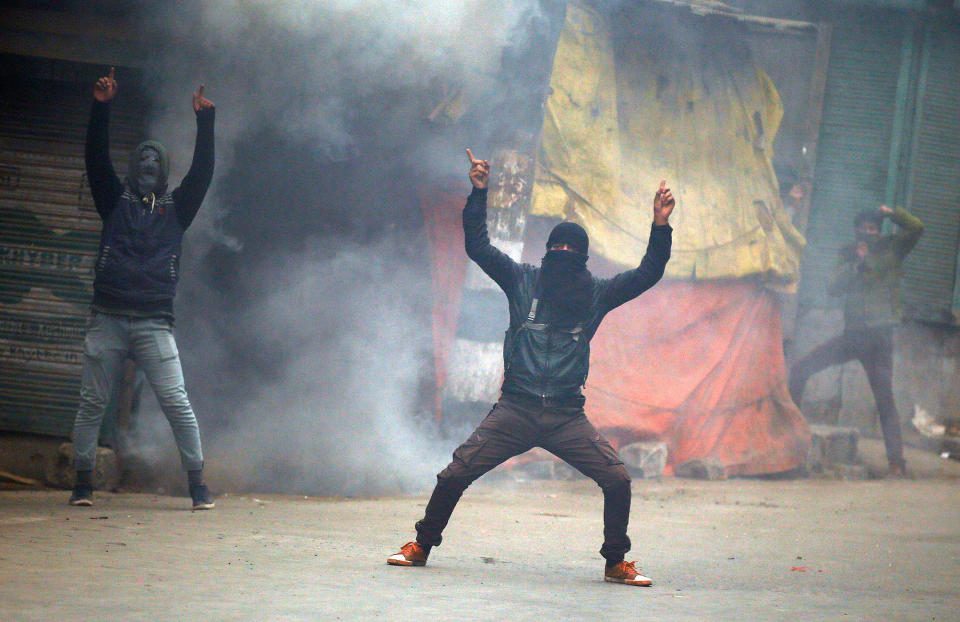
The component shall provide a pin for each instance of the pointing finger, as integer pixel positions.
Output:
(470, 155)
(200, 91)
(663, 185)
(112, 70)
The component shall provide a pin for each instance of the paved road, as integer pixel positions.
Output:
(733, 550)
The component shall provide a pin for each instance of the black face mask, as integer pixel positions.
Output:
(567, 286)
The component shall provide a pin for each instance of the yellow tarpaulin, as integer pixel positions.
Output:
(682, 102)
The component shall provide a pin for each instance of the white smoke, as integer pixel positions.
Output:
(303, 314)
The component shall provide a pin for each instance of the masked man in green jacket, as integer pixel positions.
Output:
(868, 279)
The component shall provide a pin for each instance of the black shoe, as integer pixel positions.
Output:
(201, 497)
(82, 495)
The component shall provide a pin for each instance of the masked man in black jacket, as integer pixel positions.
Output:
(136, 274)
(554, 312)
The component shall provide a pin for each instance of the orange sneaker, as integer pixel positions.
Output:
(411, 554)
(626, 572)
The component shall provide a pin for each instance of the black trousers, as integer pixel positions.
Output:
(873, 347)
(515, 425)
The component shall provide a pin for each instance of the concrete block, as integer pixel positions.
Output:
(831, 445)
(645, 460)
(26, 454)
(708, 469)
(58, 469)
(544, 469)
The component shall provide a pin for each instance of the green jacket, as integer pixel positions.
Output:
(871, 292)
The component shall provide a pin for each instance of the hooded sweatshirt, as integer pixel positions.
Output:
(138, 263)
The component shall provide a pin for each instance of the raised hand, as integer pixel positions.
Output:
(479, 171)
(200, 102)
(105, 88)
(663, 204)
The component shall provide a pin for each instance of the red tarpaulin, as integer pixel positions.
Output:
(699, 365)
(448, 266)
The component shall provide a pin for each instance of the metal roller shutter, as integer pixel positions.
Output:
(860, 102)
(930, 272)
(49, 232)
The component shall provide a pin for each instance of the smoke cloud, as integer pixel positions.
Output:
(304, 307)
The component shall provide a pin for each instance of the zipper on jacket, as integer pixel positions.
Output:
(543, 374)
(102, 263)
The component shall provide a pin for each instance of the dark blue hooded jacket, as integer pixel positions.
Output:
(138, 263)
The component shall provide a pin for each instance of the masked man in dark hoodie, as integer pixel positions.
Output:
(554, 312)
(135, 280)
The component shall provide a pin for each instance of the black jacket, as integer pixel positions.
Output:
(138, 262)
(538, 359)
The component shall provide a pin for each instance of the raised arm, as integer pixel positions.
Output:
(911, 228)
(105, 186)
(497, 264)
(628, 285)
(193, 188)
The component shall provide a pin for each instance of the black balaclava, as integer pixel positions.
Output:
(570, 233)
(149, 178)
(565, 283)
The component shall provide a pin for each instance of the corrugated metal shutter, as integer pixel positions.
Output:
(49, 231)
(855, 141)
(934, 189)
